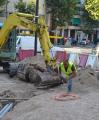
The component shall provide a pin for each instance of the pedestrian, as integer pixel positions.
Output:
(67, 72)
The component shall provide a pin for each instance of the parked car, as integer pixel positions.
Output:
(84, 42)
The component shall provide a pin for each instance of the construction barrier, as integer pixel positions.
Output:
(25, 53)
(82, 60)
(73, 57)
(54, 50)
(61, 56)
(93, 61)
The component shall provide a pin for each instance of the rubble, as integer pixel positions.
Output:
(86, 78)
(7, 94)
(43, 106)
(34, 70)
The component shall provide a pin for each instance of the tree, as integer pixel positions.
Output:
(20, 6)
(2, 4)
(61, 10)
(23, 7)
(30, 8)
(92, 6)
(88, 22)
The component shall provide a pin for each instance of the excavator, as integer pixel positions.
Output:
(28, 21)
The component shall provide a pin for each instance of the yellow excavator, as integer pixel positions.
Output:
(27, 20)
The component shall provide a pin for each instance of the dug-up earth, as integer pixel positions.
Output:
(42, 106)
(33, 70)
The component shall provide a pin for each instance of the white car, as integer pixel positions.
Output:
(84, 42)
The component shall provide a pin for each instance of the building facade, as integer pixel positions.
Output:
(9, 8)
(74, 29)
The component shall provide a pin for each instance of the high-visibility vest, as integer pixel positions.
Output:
(69, 70)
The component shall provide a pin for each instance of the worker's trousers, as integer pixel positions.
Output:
(69, 85)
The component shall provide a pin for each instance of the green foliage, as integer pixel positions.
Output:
(30, 8)
(92, 6)
(22, 7)
(2, 3)
(62, 11)
(88, 22)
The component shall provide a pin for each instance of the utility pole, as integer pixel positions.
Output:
(36, 21)
(6, 9)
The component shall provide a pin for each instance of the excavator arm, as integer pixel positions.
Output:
(26, 20)
(13, 21)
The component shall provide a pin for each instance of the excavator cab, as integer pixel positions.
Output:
(8, 52)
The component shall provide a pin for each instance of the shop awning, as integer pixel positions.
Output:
(76, 21)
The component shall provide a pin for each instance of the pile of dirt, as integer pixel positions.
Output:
(97, 74)
(35, 60)
(43, 107)
(7, 94)
(85, 78)
(33, 69)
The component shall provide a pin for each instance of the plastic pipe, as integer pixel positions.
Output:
(6, 109)
(3, 109)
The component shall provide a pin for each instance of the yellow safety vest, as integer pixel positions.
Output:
(69, 70)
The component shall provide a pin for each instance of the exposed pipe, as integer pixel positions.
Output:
(3, 109)
(6, 109)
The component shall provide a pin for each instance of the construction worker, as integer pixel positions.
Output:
(67, 72)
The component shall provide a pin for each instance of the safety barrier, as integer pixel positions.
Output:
(73, 57)
(93, 61)
(61, 56)
(24, 54)
(82, 60)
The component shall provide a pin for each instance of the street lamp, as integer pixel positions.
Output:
(36, 21)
